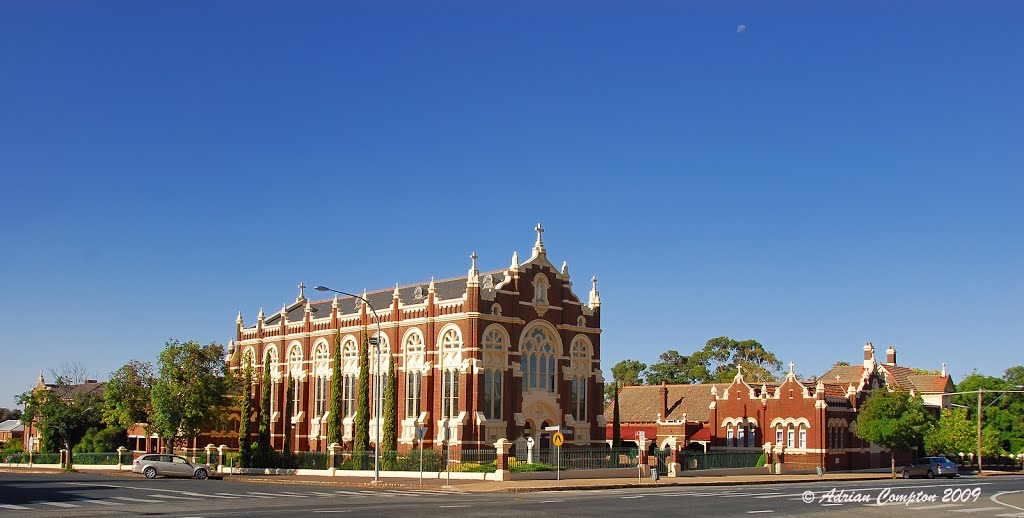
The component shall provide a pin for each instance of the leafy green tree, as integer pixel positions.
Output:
(1001, 410)
(189, 391)
(893, 420)
(955, 432)
(361, 439)
(616, 419)
(263, 438)
(289, 396)
(102, 440)
(625, 373)
(244, 435)
(12, 446)
(9, 413)
(334, 423)
(128, 396)
(65, 414)
(389, 435)
(722, 356)
(674, 368)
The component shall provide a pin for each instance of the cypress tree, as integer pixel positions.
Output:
(288, 410)
(361, 441)
(244, 436)
(389, 435)
(616, 426)
(263, 439)
(334, 423)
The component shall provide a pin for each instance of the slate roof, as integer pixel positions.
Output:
(642, 404)
(446, 289)
(12, 425)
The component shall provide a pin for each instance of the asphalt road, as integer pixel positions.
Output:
(45, 495)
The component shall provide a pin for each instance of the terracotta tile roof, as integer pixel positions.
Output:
(843, 374)
(930, 382)
(704, 434)
(835, 389)
(898, 376)
(642, 404)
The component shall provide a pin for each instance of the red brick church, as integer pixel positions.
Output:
(489, 355)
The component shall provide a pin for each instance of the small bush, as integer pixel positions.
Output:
(536, 466)
(761, 461)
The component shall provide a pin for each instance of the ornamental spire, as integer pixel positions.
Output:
(515, 260)
(260, 317)
(595, 297)
(432, 288)
(334, 304)
(473, 279)
(239, 319)
(302, 292)
(539, 245)
(565, 267)
(395, 293)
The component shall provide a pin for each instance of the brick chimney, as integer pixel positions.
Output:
(664, 401)
(890, 356)
(869, 355)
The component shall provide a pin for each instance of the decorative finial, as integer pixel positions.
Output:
(41, 381)
(334, 305)
(739, 371)
(260, 316)
(239, 319)
(595, 297)
(539, 245)
(473, 278)
(284, 312)
(309, 307)
(395, 293)
(791, 373)
(565, 267)
(473, 257)
(302, 292)
(432, 288)
(943, 369)
(515, 259)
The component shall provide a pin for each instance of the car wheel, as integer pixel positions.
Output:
(906, 473)
(149, 472)
(930, 474)
(201, 474)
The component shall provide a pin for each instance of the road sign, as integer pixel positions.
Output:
(557, 439)
(551, 428)
(374, 340)
(563, 431)
(421, 432)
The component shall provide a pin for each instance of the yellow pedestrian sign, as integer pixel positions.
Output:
(558, 439)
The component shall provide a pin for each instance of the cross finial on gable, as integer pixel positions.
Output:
(791, 365)
(302, 291)
(539, 246)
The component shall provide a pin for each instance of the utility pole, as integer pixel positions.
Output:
(980, 392)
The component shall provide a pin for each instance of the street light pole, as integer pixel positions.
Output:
(377, 391)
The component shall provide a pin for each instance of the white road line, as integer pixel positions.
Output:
(452, 506)
(201, 495)
(764, 511)
(254, 494)
(292, 493)
(227, 495)
(977, 509)
(335, 511)
(1010, 515)
(175, 497)
(830, 505)
(630, 497)
(930, 507)
(57, 504)
(552, 501)
(139, 500)
(14, 507)
(351, 493)
(377, 493)
(320, 494)
(995, 498)
(100, 502)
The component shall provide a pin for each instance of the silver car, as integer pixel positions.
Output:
(931, 467)
(165, 465)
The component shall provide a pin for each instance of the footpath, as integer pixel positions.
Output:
(476, 486)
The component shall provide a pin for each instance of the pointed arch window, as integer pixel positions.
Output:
(495, 344)
(451, 359)
(350, 373)
(413, 374)
(295, 372)
(321, 368)
(538, 357)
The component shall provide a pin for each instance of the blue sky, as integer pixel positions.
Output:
(836, 173)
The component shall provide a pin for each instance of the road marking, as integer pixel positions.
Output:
(995, 498)
(254, 494)
(552, 501)
(930, 507)
(764, 511)
(14, 507)
(139, 500)
(292, 493)
(226, 495)
(634, 496)
(201, 495)
(1011, 515)
(452, 506)
(351, 493)
(320, 494)
(57, 504)
(335, 511)
(101, 502)
(175, 497)
(976, 509)
(830, 505)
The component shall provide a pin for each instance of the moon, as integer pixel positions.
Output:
(741, 28)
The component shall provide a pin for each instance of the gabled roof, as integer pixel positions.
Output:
(12, 425)
(642, 404)
(897, 376)
(931, 383)
(843, 375)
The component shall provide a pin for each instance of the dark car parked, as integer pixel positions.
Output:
(931, 467)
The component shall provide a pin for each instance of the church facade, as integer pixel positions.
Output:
(490, 355)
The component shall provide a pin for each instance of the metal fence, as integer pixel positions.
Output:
(692, 461)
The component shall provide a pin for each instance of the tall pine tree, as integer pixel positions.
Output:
(334, 423)
(289, 400)
(361, 440)
(263, 439)
(616, 426)
(389, 436)
(244, 436)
